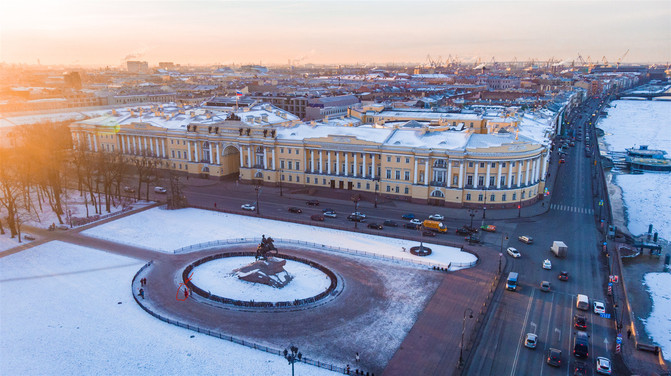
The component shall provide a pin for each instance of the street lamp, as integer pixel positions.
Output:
(356, 199)
(484, 207)
(503, 235)
(377, 186)
(292, 357)
(463, 329)
(281, 183)
(472, 212)
(257, 188)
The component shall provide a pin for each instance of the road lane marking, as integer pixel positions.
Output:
(519, 342)
(545, 347)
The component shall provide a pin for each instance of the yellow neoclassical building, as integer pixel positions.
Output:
(442, 162)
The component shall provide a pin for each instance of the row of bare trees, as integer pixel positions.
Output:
(41, 162)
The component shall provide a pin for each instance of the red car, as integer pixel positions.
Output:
(562, 160)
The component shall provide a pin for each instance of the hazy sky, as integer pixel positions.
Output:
(95, 32)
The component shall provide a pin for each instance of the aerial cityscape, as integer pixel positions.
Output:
(327, 188)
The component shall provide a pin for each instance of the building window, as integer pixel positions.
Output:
(388, 189)
(388, 159)
(492, 180)
(397, 189)
(470, 164)
(173, 153)
(388, 173)
(298, 165)
(480, 197)
(406, 175)
(324, 181)
(367, 186)
(397, 174)
(514, 196)
(298, 179)
(282, 177)
(180, 166)
(481, 180)
(512, 164)
(503, 164)
(307, 180)
(482, 164)
(493, 164)
(281, 150)
(503, 197)
(523, 192)
(503, 180)
(398, 159)
(492, 198)
(468, 197)
(289, 165)
(297, 151)
(172, 142)
(282, 164)
(290, 177)
(289, 151)
(469, 180)
(358, 185)
(407, 160)
(406, 190)
(455, 179)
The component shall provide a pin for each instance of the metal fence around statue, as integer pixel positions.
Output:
(265, 247)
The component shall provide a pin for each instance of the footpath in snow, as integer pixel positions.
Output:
(166, 230)
(68, 310)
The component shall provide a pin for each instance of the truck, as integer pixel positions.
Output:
(559, 248)
(511, 282)
(434, 225)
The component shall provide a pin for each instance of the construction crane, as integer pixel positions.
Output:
(605, 62)
(620, 59)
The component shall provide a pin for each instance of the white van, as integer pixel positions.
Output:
(582, 302)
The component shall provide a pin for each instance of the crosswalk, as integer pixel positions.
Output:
(572, 209)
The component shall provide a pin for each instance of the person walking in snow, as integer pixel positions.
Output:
(186, 292)
(142, 293)
(357, 357)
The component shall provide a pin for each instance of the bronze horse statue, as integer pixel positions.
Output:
(265, 248)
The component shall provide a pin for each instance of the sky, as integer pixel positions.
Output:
(96, 32)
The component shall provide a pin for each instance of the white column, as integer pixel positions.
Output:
(538, 169)
(135, 145)
(489, 167)
(151, 145)
(510, 174)
(219, 160)
(158, 147)
(144, 139)
(448, 180)
(196, 146)
(363, 164)
(372, 163)
(346, 164)
(461, 174)
(273, 159)
(337, 163)
(123, 144)
(211, 154)
(249, 156)
(526, 172)
(545, 167)
(265, 160)
(498, 176)
(519, 172)
(426, 172)
(475, 175)
(188, 149)
(355, 165)
(305, 160)
(312, 161)
(321, 162)
(242, 157)
(95, 143)
(328, 156)
(163, 141)
(416, 172)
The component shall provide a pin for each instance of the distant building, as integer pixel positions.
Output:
(73, 80)
(503, 83)
(166, 65)
(319, 108)
(137, 66)
(297, 105)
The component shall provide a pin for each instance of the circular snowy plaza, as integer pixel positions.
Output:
(217, 278)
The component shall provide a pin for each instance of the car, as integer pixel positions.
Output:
(463, 231)
(328, 210)
(580, 322)
(390, 223)
(599, 307)
(436, 217)
(410, 225)
(356, 218)
(359, 214)
(313, 203)
(581, 345)
(416, 221)
(580, 369)
(160, 190)
(513, 252)
(473, 239)
(470, 229)
(562, 160)
(375, 226)
(330, 214)
(525, 239)
(294, 209)
(128, 189)
(317, 217)
(408, 216)
(603, 365)
(488, 228)
(554, 357)
(563, 276)
(531, 340)
(28, 236)
(428, 233)
(547, 264)
(545, 286)
(250, 207)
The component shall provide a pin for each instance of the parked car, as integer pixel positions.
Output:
(525, 239)
(463, 231)
(531, 340)
(356, 218)
(603, 365)
(313, 203)
(428, 233)
(128, 189)
(580, 322)
(488, 228)
(599, 307)
(545, 286)
(317, 217)
(436, 217)
(563, 276)
(513, 252)
(416, 221)
(160, 190)
(547, 264)
(408, 216)
(375, 226)
(330, 214)
(28, 236)
(390, 223)
(554, 357)
(294, 209)
(410, 225)
(250, 207)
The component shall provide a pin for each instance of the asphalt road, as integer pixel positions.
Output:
(572, 220)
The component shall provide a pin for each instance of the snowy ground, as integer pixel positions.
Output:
(658, 324)
(645, 203)
(167, 230)
(216, 277)
(68, 310)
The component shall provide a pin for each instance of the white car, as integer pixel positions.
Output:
(531, 340)
(436, 217)
(603, 365)
(599, 307)
(359, 214)
(416, 221)
(547, 264)
(250, 207)
(514, 252)
(160, 190)
(330, 214)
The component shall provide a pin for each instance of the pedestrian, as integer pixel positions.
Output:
(215, 205)
(357, 357)
(403, 251)
(186, 292)
(628, 333)
(543, 204)
(142, 293)
(347, 369)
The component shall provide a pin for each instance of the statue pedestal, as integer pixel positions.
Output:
(268, 272)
